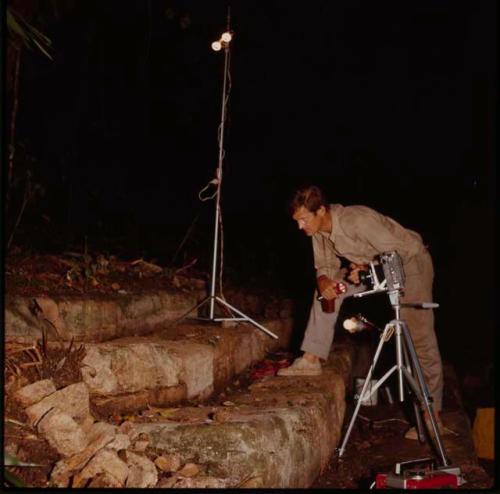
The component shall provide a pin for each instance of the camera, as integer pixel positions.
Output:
(370, 278)
(387, 274)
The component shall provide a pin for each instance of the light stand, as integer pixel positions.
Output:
(406, 361)
(223, 42)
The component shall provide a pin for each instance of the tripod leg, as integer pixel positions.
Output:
(418, 419)
(424, 392)
(255, 323)
(387, 330)
(179, 319)
(415, 401)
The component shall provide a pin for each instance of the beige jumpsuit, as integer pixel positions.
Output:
(359, 234)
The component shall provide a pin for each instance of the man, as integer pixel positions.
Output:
(358, 234)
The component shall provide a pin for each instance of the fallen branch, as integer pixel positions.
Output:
(148, 265)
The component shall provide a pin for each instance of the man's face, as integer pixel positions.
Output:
(307, 221)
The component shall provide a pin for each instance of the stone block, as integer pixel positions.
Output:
(73, 400)
(62, 433)
(33, 393)
(142, 471)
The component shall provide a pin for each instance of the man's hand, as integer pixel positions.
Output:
(353, 276)
(326, 287)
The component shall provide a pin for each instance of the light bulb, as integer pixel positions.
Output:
(226, 37)
(216, 45)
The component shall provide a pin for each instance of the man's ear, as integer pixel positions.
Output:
(321, 211)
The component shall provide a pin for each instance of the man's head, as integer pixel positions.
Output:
(309, 208)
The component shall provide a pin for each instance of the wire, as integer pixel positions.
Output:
(221, 268)
(386, 335)
(223, 154)
(186, 236)
(214, 181)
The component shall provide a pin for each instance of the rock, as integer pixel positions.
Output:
(121, 441)
(87, 423)
(33, 393)
(62, 433)
(112, 369)
(201, 482)
(105, 461)
(141, 446)
(73, 400)
(167, 482)
(102, 428)
(252, 483)
(142, 471)
(168, 463)
(127, 427)
(105, 480)
(189, 470)
(99, 437)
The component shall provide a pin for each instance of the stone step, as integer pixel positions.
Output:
(188, 362)
(93, 320)
(278, 434)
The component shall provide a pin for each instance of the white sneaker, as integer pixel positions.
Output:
(301, 367)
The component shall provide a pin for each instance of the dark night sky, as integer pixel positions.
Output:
(388, 103)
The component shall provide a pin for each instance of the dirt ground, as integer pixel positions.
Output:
(92, 275)
(376, 442)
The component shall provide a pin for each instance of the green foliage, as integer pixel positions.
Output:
(11, 479)
(29, 35)
(12, 461)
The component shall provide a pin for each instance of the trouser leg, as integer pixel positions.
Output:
(421, 327)
(318, 336)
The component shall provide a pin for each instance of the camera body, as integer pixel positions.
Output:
(387, 274)
(373, 277)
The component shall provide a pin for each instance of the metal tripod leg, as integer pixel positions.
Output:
(415, 402)
(214, 299)
(243, 317)
(424, 392)
(362, 396)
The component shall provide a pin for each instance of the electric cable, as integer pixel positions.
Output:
(223, 154)
(386, 336)
(186, 236)
(214, 181)
(217, 180)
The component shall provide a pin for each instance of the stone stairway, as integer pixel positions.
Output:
(278, 433)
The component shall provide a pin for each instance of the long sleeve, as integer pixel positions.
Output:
(326, 261)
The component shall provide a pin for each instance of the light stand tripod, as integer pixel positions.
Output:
(406, 357)
(223, 42)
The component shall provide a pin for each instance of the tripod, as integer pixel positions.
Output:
(406, 362)
(212, 298)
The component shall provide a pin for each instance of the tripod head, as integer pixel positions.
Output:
(387, 275)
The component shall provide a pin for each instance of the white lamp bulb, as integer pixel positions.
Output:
(226, 37)
(216, 45)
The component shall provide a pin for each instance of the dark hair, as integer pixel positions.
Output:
(311, 197)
